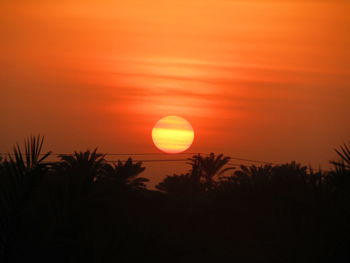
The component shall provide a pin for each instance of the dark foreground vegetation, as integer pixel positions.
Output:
(83, 209)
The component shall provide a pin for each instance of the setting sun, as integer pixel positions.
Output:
(120, 88)
(172, 134)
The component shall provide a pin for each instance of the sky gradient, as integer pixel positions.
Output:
(266, 80)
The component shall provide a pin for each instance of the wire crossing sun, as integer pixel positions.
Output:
(172, 134)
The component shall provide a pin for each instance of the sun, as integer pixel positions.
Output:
(172, 134)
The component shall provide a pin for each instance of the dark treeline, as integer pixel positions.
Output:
(83, 209)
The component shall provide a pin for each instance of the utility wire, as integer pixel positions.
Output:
(154, 154)
(154, 160)
(250, 160)
(116, 154)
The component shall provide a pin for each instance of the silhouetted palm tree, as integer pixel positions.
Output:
(91, 160)
(252, 176)
(126, 174)
(210, 166)
(339, 178)
(23, 162)
(179, 185)
(84, 167)
(253, 171)
(20, 174)
(344, 154)
(23, 169)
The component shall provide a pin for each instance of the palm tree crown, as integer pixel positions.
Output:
(126, 173)
(210, 166)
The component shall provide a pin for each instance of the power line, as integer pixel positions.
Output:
(250, 160)
(115, 154)
(153, 160)
(153, 154)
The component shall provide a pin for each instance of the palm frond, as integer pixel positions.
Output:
(31, 157)
(344, 153)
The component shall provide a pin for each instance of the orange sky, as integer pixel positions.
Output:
(266, 80)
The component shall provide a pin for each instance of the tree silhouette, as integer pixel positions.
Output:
(339, 178)
(208, 167)
(84, 209)
(81, 169)
(180, 185)
(256, 173)
(344, 154)
(247, 179)
(126, 174)
(20, 175)
(23, 170)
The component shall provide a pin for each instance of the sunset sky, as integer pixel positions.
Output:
(266, 80)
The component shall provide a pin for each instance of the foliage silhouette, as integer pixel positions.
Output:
(20, 174)
(83, 209)
(176, 184)
(344, 153)
(126, 174)
(208, 167)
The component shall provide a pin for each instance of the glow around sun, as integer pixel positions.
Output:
(172, 134)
